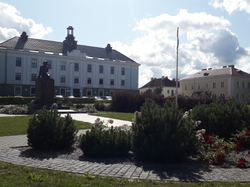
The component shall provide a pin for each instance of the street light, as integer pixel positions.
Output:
(68, 88)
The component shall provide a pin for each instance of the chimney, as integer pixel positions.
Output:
(224, 66)
(24, 36)
(108, 48)
(231, 66)
(203, 69)
(209, 68)
(152, 78)
(162, 77)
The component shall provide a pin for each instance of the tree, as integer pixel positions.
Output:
(158, 90)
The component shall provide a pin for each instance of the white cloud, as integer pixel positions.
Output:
(207, 43)
(13, 24)
(232, 5)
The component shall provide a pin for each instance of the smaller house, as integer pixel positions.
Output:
(168, 86)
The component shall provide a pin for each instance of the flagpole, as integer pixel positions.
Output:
(176, 80)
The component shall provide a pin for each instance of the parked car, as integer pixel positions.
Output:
(59, 96)
(71, 96)
(109, 98)
(98, 98)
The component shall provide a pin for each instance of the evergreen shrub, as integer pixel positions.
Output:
(163, 134)
(99, 105)
(100, 143)
(222, 118)
(48, 130)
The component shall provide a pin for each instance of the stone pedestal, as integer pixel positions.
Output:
(45, 91)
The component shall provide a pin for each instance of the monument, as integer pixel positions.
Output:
(44, 89)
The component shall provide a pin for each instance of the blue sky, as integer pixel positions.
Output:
(213, 33)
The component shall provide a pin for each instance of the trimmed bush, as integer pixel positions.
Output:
(163, 134)
(48, 130)
(99, 105)
(222, 118)
(100, 143)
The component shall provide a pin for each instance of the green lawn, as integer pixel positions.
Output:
(116, 115)
(15, 175)
(19, 124)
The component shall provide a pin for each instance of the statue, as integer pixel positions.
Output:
(43, 70)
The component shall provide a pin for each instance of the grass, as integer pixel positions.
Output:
(116, 115)
(15, 175)
(18, 125)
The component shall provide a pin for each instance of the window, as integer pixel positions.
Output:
(243, 85)
(206, 86)
(63, 91)
(32, 90)
(112, 70)
(89, 93)
(89, 68)
(238, 84)
(112, 92)
(123, 71)
(100, 69)
(18, 90)
(34, 63)
(214, 85)
(168, 91)
(238, 97)
(186, 87)
(18, 76)
(101, 81)
(100, 93)
(243, 97)
(214, 96)
(33, 77)
(199, 86)
(123, 82)
(76, 67)
(63, 66)
(112, 82)
(222, 96)
(49, 64)
(192, 87)
(62, 79)
(76, 80)
(248, 85)
(89, 80)
(18, 61)
(222, 84)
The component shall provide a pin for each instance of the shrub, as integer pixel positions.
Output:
(99, 105)
(163, 134)
(100, 143)
(48, 130)
(222, 118)
(215, 150)
(14, 109)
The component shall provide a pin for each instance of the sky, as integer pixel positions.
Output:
(212, 33)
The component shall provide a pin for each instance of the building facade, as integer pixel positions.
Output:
(225, 82)
(168, 87)
(78, 70)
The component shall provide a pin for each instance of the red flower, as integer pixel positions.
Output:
(214, 150)
(248, 152)
(226, 148)
(216, 147)
(206, 160)
(247, 133)
(220, 158)
(241, 163)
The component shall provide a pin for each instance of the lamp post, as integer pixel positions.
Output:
(68, 88)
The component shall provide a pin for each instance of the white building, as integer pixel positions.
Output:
(168, 86)
(78, 70)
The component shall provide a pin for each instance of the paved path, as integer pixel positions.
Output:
(191, 171)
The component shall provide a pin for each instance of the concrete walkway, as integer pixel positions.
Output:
(190, 171)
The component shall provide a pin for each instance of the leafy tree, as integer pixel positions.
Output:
(158, 90)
